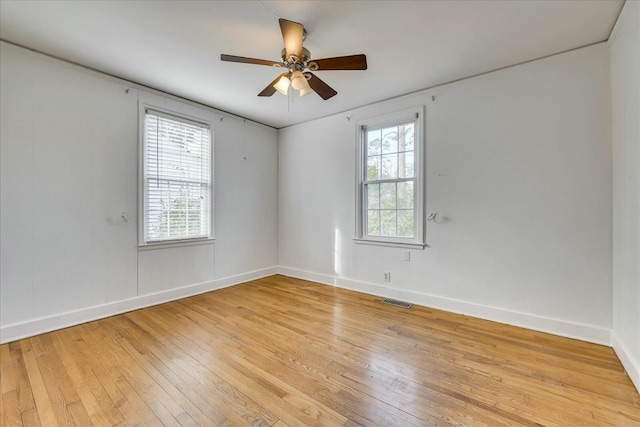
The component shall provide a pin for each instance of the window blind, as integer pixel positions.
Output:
(177, 178)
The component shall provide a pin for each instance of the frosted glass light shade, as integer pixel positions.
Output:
(305, 90)
(282, 85)
(297, 80)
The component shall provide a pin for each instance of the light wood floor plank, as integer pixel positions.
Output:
(22, 386)
(31, 418)
(280, 352)
(90, 388)
(46, 413)
(10, 409)
(7, 381)
(60, 389)
(3, 410)
(81, 379)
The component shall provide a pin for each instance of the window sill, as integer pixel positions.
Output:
(175, 244)
(389, 244)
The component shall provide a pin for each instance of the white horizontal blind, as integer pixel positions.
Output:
(177, 178)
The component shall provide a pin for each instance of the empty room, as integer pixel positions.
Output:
(320, 213)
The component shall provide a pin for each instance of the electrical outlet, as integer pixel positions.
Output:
(387, 277)
(407, 256)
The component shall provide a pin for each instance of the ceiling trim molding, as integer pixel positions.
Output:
(133, 84)
(616, 27)
(427, 90)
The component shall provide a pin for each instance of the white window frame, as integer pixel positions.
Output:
(188, 114)
(415, 115)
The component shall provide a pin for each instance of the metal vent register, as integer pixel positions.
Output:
(396, 303)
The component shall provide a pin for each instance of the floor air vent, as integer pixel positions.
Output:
(396, 303)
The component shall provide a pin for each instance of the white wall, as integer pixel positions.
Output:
(68, 168)
(625, 91)
(519, 171)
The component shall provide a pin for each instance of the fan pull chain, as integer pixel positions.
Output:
(244, 139)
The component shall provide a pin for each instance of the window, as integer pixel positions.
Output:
(176, 155)
(390, 151)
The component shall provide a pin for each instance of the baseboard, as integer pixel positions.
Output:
(631, 365)
(564, 328)
(584, 332)
(41, 325)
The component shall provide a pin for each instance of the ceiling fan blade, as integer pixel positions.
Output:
(324, 90)
(270, 90)
(352, 62)
(292, 34)
(243, 60)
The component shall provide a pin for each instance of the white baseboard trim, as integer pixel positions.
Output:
(580, 331)
(631, 365)
(41, 325)
(564, 328)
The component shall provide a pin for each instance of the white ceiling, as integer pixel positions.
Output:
(175, 46)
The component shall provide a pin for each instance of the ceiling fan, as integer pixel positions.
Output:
(299, 65)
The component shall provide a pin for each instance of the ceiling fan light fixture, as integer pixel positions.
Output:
(282, 85)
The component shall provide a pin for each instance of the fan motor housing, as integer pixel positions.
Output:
(292, 60)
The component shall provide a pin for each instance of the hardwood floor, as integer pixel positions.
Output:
(285, 352)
